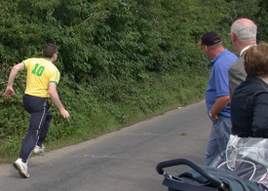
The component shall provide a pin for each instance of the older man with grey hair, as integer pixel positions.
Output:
(243, 36)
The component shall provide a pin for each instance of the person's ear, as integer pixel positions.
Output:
(205, 47)
(54, 57)
(234, 37)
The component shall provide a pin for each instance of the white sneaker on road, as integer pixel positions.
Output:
(22, 168)
(38, 150)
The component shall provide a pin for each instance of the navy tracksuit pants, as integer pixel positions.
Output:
(40, 118)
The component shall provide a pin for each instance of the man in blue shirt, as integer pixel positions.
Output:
(217, 94)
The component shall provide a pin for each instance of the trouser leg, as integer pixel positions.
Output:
(212, 148)
(32, 136)
(218, 140)
(38, 108)
(44, 129)
(223, 131)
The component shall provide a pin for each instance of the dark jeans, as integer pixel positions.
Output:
(39, 123)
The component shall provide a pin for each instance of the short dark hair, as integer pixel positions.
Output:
(256, 60)
(49, 49)
(210, 38)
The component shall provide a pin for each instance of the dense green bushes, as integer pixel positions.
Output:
(121, 60)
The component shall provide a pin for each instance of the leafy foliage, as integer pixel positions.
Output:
(121, 60)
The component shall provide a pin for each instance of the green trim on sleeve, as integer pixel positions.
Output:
(53, 82)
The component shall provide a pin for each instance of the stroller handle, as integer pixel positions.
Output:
(160, 169)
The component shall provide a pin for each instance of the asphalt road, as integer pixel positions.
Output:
(120, 161)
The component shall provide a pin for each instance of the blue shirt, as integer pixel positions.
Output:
(218, 84)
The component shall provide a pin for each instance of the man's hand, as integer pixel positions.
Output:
(9, 89)
(213, 116)
(65, 114)
(9, 92)
(218, 106)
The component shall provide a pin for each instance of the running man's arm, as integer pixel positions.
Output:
(15, 69)
(53, 93)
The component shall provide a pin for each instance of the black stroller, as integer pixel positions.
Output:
(243, 166)
(204, 179)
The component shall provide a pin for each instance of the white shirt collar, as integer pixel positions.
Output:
(244, 49)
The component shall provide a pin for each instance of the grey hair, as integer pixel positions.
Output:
(246, 30)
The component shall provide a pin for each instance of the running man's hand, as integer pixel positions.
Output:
(65, 114)
(9, 89)
(9, 92)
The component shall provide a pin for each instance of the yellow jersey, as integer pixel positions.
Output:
(40, 72)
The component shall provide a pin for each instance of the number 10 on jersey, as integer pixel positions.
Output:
(38, 70)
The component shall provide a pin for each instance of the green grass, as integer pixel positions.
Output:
(93, 115)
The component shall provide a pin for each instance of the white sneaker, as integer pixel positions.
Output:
(38, 150)
(22, 168)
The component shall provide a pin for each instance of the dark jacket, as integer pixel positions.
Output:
(249, 109)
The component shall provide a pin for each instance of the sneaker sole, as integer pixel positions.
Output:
(20, 171)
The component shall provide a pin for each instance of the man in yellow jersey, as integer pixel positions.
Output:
(41, 84)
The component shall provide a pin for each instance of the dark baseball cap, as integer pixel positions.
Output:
(210, 38)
